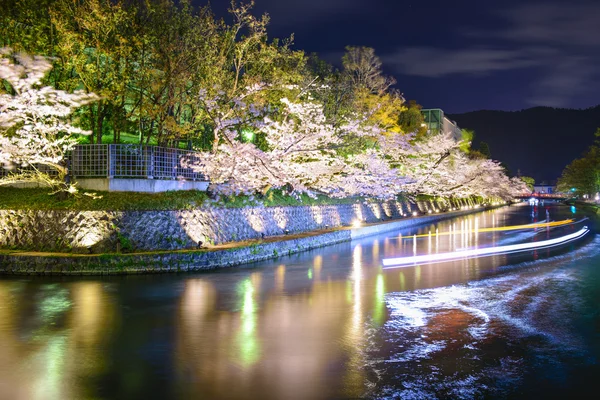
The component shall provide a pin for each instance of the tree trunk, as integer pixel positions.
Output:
(99, 123)
(92, 122)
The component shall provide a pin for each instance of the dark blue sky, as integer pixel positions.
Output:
(460, 55)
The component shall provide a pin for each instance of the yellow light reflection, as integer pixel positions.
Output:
(280, 278)
(375, 248)
(402, 281)
(415, 244)
(317, 266)
(379, 301)
(356, 277)
(466, 228)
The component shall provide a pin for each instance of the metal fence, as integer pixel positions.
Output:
(5, 171)
(134, 161)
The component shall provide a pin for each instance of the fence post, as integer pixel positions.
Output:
(110, 160)
(174, 157)
(150, 171)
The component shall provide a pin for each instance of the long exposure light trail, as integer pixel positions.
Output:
(429, 258)
(498, 229)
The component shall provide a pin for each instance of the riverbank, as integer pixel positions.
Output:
(217, 256)
(90, 231)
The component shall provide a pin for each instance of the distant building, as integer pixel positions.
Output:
(437, 123)
(544, 189)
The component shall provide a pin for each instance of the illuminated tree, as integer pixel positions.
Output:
(34, 129)
(529, 181)
(363, 68)
(300, 151)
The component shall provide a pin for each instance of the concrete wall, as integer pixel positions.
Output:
(139, 185)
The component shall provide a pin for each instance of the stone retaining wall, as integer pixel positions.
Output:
(195, 260)
(21, 263)
(111, 231)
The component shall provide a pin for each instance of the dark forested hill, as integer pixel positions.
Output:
(538, 141)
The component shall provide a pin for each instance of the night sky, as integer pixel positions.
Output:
(461, 55)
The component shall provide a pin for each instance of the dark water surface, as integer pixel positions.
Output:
(329, 323)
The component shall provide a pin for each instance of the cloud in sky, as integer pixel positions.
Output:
(562, 24)
(560, 40)
(439, 62)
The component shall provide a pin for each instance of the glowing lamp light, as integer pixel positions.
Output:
(356, 224)
(415, 213)
(400, 262)
(247, 135)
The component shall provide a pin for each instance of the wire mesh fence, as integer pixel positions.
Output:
(17, 169)
(134, 161)
(89, 161)
(126, 161)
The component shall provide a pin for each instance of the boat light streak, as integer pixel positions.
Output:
(501, 228)
(429, 258)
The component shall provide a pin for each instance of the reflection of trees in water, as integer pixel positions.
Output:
(305, 344)
(53, 337)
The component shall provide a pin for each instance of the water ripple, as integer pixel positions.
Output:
(482, 338)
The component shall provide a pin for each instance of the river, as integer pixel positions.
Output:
(329, 323)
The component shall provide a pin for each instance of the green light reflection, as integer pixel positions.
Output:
(49, 383)
(55, 304)
(249, 350)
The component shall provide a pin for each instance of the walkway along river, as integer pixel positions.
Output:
(328, 323)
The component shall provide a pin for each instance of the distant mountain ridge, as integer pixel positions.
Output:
(538, 141)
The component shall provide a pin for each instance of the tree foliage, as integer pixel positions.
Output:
(168, 73)
(582, 175)
(34, 127)
(529, 181)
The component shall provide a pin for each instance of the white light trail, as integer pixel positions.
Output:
(429, 258)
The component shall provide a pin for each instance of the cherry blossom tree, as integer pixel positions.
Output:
(424, 163)
(301, 154)
(35, 132)
(440, 166)
(301, 151)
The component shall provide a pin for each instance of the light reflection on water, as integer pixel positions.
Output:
(508, 336)
(322, 324)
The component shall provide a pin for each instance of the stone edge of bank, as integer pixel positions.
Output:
(178, 261)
